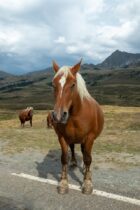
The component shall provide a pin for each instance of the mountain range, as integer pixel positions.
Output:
(120, 59)
(115, 81)
(117, 59)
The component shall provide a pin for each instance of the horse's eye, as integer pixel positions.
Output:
(73, 85)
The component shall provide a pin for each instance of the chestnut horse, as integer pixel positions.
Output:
(49, 120)
(26, 115)
(78, 120)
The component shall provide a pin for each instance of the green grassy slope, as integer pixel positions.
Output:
(116, 87)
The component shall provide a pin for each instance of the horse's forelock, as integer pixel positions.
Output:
(29, 108)
(64, 71)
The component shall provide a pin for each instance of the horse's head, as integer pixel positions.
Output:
(30, 111)
(65, 87)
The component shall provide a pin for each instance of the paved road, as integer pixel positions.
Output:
(20, 194)
(17, 193)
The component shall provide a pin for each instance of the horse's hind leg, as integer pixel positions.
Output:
(73, 159)
(87, 186)
(63, 184)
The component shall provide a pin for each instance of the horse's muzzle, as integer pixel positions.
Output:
(60, 117)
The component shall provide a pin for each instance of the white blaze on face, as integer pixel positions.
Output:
(62, 82)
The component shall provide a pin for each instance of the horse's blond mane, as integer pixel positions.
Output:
(81, 86)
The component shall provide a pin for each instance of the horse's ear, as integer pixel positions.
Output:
(55, 66)
(76, 67)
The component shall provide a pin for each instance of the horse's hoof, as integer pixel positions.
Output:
(87, 187)
(63, 187)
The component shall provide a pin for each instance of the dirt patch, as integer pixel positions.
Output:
(116, 161)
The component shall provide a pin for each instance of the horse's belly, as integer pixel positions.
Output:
(27, 119)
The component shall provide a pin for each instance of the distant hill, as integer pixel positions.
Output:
(134, 64)
(119, 59)
(4, 77)
(117, 86)
(4, 74)
(106, 82)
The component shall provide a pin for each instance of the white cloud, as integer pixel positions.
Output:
(128, 10)
(69, 29)
(16, 5)
(72, 49)
(60, 40)
(9, 37)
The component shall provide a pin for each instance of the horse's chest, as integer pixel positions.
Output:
(73, 132)
(27, 118)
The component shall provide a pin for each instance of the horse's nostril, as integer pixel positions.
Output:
(53, 115)
(65, 113)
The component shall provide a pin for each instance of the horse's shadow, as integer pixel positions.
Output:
(51, 166)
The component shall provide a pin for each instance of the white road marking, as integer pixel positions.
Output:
(78, 188)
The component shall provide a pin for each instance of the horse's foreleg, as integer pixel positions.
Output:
(31, 122)
(87, 186)
(22, 125)
(82, 150)
(63, 184)
(73, 159)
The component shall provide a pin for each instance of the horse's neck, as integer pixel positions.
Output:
(77, 104)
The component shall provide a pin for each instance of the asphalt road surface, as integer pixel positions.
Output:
(17, 193)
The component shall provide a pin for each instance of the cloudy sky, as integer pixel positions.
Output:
(33, 32)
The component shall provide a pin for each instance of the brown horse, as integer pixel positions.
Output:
(26, 115)
(78, 120)
(50, 122)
